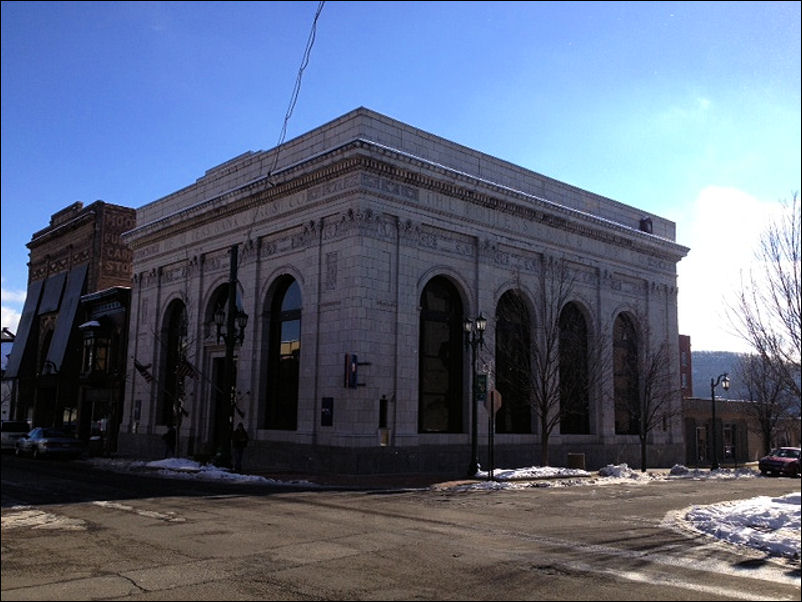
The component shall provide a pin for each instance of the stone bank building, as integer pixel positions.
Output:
(317, 293)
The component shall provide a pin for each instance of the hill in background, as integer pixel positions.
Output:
(708, 365)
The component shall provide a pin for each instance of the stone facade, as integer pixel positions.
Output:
(363, 215)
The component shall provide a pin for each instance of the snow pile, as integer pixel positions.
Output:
(771, 525)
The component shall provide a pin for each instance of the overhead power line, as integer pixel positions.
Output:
(297, 88)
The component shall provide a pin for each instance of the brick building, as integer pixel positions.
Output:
(738, 432)
(685, 366)
(78, 253)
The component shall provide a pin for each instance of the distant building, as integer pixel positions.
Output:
(685, 366)
(738, 436)
(6, 385)
(352, 256)
(78, 253)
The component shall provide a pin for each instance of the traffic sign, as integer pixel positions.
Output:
(494, 401)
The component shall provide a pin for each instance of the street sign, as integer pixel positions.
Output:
(494, 401)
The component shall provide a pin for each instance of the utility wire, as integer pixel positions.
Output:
(293, 100)
(297, 88)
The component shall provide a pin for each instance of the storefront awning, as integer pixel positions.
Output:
(66, 315)
(51, 296)
(24, 328)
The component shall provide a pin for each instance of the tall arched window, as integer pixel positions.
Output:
(440, 359)
(174, 332)
(513, 367)
(625, 368)
(574, 403)
(283, 360)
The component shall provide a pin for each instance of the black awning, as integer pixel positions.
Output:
(66, 315)
(51, 297)
(24, 328)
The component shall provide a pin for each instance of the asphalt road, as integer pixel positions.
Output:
(142, 538)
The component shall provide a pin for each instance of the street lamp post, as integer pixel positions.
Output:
(724, 380)
(474, 337)
(178, 403)
(235, 321)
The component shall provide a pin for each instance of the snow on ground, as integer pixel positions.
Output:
(768, 524)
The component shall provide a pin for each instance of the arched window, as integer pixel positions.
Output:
(174, 332)
(625, 368)
(440, 359)
(283, 358)
(574, 404)
(513, 367)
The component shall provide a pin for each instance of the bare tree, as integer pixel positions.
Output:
(646, 390)
(770, 403)
(767, 312)
(556, 287)
(546, 364)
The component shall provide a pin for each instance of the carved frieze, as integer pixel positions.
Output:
(218, 226)
(173, 273)
(621, 283)
(427, 237)
(147, 251)
(583, 274)
(436, 239)
(149, 278)
(663, 288)
(391, 187)
(509, 257)
(333, 187)
(248, 250)
(289, 240)
(216, 260)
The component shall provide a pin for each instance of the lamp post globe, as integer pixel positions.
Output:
(474, 337)
(724, 381)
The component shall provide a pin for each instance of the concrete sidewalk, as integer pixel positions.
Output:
(365, 481)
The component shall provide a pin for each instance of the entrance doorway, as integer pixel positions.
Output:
(222, 405)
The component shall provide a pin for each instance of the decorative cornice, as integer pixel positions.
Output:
(392, 174)
(56, 231)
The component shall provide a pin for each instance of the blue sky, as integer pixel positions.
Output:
(688, 110)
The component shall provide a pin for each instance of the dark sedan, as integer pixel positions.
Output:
(49, 442)
(781, 461)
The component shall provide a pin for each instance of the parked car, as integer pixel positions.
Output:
(53, 442)
(11, 431)
(781, 461)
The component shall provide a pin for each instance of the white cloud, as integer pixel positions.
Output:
(9, 318)
(722, 229)
(16, 297)
(11, 302)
